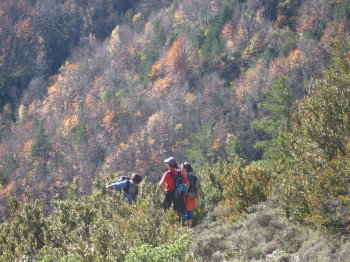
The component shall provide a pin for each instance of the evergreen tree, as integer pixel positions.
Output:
(279, 103)
(41, 146)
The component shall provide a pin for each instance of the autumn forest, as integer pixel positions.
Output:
(254, 94)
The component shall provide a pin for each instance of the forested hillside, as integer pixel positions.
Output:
(255, 94)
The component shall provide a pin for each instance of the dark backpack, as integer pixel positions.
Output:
(195, 186)
(128, 182)
(179, 184)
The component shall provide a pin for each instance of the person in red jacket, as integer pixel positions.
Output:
(168, 184)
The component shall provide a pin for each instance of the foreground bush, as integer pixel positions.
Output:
(234, 185)
(99, 227)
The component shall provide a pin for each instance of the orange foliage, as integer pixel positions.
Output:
(278, 67)
(173, 56)
(179, 59)
(216, 145)
(108, 122)
(311, 11)
(71, 122)
(296, 57)
(22, 28)
(53, 89)
(28, 125)
(72, 68)
(282, 65)
(89, 100)
(107, 119)
(180, 17)
(27, 147)
(334, 30)
(156, 71)
(97, 83)
(138, 113)
(8, 190)
(161, 85)
(228, 31)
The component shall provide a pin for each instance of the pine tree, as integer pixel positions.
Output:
(279, 103)
(41, 146)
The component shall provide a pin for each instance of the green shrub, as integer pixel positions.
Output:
(100, 227)
(8, 166)
(316, 154)
(176, 251)
(343, 10)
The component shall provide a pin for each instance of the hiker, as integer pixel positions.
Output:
(174, 184)
(192, 193)
(130, 186)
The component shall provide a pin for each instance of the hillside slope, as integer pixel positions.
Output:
(183, 81)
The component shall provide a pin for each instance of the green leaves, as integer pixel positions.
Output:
(99, 227)
(279, 103)
(314, 164)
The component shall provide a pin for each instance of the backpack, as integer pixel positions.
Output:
(128, 182)
(179, 184)
(195, 188)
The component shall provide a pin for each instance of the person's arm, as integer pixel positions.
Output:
(161, 183)
(118, 185)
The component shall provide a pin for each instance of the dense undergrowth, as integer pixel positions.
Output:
(221, 84)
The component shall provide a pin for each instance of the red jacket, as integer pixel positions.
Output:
(169, 181)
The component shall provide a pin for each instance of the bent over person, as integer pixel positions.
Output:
(129, 186)
(174, 184)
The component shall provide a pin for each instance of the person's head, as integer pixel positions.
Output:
(187, 167)
(171, 163)
(136, 178)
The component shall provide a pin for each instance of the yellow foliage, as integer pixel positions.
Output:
(296, 56)
(27, 147)
(259, 15)
(154, 119)
(161, 85)
(185, 142)
(151, 141)
(71, 123)
(154, 122)
(156, 71)
(8, 190)
(252, 48)
(179, 17)
(136, 18)
(123, 146)
(230, 44)
(216, 145)
(178, 126)
(189, 98)
(113, 40)
(21, 111)
(229, 138)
